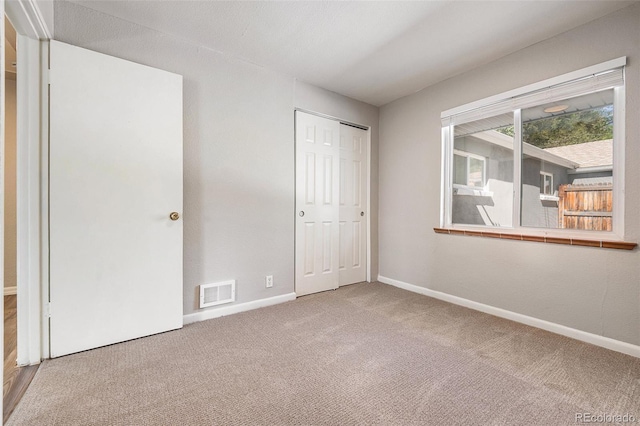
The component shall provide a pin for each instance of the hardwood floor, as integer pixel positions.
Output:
(16, 379)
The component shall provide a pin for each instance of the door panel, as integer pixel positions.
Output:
(317, 211)
(353, 203)
(115, 176)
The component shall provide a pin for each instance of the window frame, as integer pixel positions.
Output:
(545, 175)
(469, 156)
(447, 139)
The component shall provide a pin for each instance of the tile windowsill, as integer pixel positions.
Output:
(620, 245)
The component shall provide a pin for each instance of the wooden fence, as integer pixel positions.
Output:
(585, 207)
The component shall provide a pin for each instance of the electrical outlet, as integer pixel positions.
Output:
(268, 281)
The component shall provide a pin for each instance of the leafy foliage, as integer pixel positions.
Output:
(567, 129)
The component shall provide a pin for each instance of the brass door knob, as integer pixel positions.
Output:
(174, 216)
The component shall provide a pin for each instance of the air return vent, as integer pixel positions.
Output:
(217, 293)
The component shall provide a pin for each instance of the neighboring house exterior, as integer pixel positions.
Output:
(595, 161)
(483, 178)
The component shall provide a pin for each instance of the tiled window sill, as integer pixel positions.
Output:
(620, 245)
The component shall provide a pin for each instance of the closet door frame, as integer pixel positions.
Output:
(368, 181)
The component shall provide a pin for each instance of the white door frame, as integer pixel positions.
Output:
(32, 180)
(368, 161)
(2, 114)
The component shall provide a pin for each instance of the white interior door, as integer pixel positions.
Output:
(115, 177)
(317, 209)
(353, 204)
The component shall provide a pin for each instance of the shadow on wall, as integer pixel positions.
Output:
(470, 210)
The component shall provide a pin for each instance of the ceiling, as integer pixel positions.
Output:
(375, 52)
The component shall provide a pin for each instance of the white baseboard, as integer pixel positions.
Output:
(237, 308)
(594, 339)
(9, 291)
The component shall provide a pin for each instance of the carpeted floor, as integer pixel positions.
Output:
(364, 354)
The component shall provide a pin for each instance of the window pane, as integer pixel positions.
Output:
(572, 140)
(476, 173)
(484, 194)
(547, 185)
(459, 169)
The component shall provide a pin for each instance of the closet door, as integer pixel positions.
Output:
(353, 205)
(317, 207)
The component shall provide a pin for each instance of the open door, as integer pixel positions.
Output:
(115, 200)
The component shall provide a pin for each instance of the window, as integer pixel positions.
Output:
(468, 169)
(545, 157)
(546, 183)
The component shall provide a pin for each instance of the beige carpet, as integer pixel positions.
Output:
(364, 354)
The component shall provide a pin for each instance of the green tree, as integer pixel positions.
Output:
(567, 129)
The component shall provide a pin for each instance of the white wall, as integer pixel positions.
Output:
(10, 278)
(238, 151)
(590, 289)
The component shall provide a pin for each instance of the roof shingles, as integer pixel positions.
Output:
(589, 154)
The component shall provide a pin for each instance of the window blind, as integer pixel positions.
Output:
(581, 86)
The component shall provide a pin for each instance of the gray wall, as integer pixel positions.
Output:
(238, 151)
(590, 289)
(535, 212)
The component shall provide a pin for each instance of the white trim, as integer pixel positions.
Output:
(619, 141)
(32, 255)
(546, 175)
(445, 179)
(544, 197)
(594, 339)
(331, 117)
(237, 308)
(28, 202)
(27, 19)
(584, 72)
(44, 200)
(10, 291)
(368, 230)
(2, 114)
(516, 178)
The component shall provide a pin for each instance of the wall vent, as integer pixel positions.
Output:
(217, 293)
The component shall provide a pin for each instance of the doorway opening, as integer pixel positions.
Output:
(16, 379)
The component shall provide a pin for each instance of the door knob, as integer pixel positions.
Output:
(174, 216)
(361, 213)
(301, 213)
